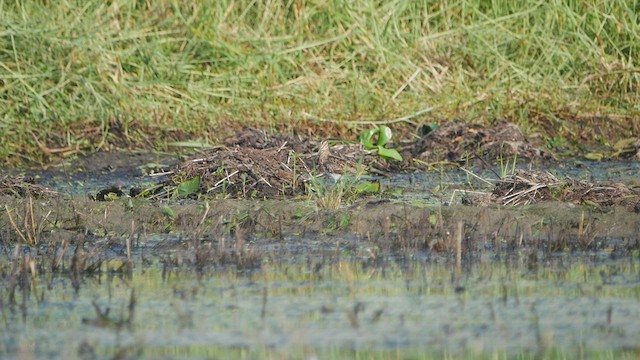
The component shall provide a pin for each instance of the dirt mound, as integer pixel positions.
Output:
(600, 194)
(458, 141)
(22, 186)
(254, 164)
(529, 187)
(258, 139)
(246, 172)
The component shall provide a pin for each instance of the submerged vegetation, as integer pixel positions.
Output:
(79, 76)
(394, 282)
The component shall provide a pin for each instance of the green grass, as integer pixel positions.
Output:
(89, 75)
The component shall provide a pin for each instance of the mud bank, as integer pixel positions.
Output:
(382, 225)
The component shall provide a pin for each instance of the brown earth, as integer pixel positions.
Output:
(255, 164)
(530, 187)
(377, 228)
(458, 141)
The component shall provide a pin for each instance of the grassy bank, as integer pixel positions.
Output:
(87, 75)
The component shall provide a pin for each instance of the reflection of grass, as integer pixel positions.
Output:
(327, 294)
(418, 353)
(84, 74)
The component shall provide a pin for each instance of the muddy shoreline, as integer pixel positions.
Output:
(478, 243)
(478, 184)
(255, 165)
(390, 227)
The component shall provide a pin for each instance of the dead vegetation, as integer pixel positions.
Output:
(23, 186)
(28, 225)
(459, 141)
(529, 187)
(255, 164)
(526, 187)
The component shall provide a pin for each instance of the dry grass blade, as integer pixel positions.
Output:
(525, 187)
(517, 197)
(23, 186)
(29, 231)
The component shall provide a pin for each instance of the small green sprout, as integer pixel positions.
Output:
(376, 139)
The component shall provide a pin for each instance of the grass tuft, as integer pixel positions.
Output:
(87, 75)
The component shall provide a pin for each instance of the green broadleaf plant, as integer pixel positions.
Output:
(370, 142)
(188, 187)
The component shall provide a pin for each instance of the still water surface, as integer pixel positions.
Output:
(327, 304)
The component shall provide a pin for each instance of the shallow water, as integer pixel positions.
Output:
(342, 294)
(449, 184)
(565, 304)
(442, 184)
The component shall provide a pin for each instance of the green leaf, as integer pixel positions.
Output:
(168, 212)
(594, 156)
(625, 144)
(367, 187)
(389, 153)
(384, 135)
(111, 196)
(188, 187)
(428, 129)
(367, 137)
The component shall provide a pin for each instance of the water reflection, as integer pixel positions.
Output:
(327, 305)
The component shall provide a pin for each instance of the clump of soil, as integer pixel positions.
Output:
(23, 186)
(600, 194)
(246, 172)
(258, 139)
(254, 164)
(529, 187)
(458, 141)
(525, 187)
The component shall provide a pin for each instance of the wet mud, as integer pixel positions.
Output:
(253, 164)
(479, 242)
